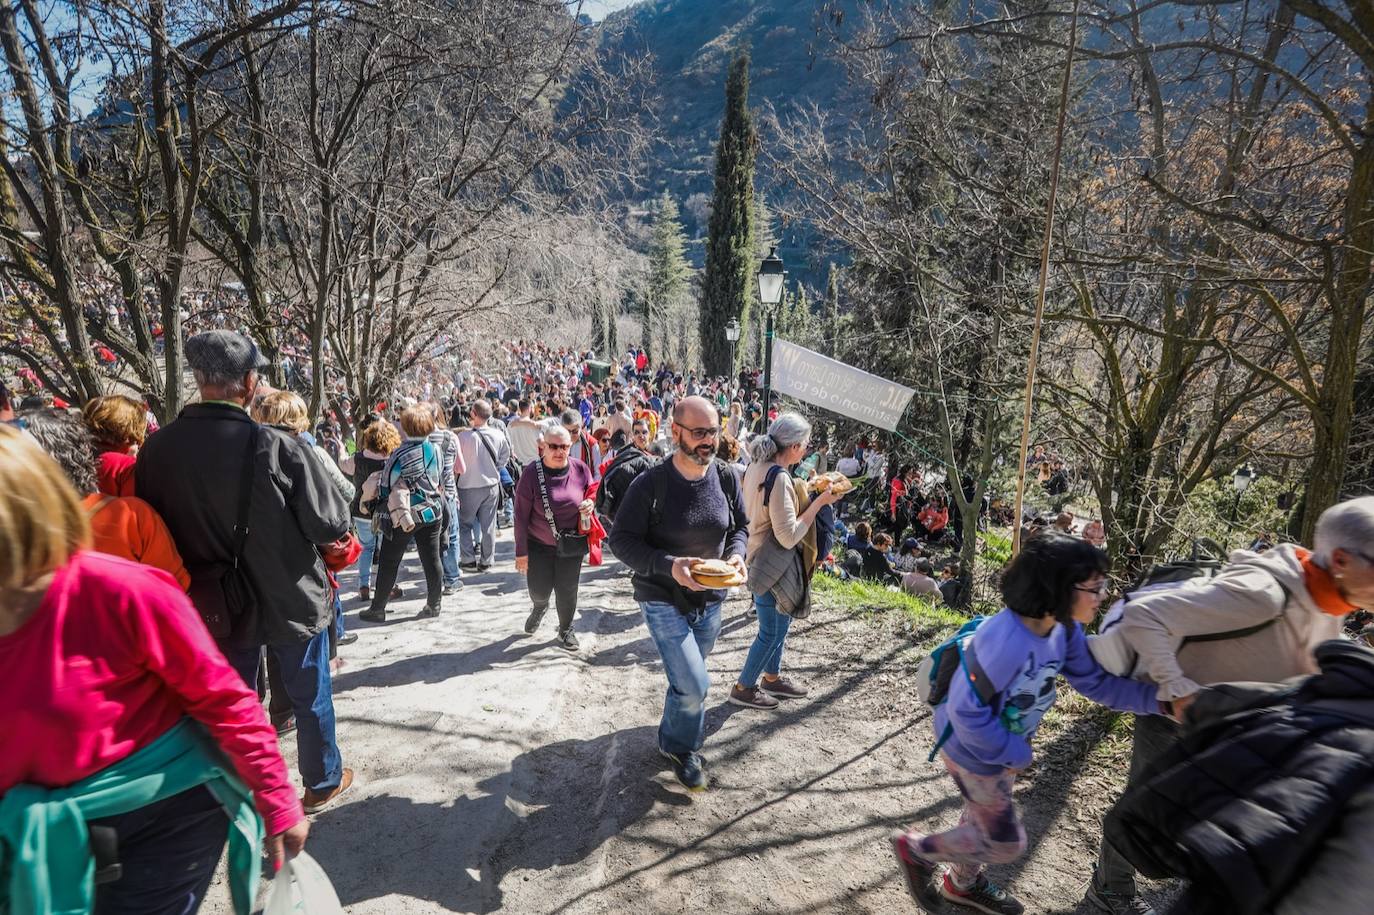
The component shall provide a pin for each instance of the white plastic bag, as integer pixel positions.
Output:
(302, 888)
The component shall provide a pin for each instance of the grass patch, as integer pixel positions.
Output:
(929, 622)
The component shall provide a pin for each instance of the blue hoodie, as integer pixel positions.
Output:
(1023, 668)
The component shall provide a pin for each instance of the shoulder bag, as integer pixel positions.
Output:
(569, 545)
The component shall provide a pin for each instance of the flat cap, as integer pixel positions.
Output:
(223, 354)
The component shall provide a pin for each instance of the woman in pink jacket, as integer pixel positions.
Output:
(110, 683)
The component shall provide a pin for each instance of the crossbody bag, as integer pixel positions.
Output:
(568, 545)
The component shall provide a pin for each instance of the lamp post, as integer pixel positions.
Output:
(772, 276)
(1240, 481)
(732, 334)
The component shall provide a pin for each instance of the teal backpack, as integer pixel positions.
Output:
(936, 672)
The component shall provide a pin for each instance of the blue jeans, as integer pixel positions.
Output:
(369, 542)
(305, 675)
(449, 558)
(683, 643)
(765, 655)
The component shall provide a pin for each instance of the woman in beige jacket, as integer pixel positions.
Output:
(767, 481)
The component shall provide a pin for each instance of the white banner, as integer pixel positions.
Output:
(798, 372)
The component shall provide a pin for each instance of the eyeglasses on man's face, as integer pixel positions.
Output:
(700, 433)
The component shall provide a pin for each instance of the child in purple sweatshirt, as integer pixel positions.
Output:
(1051, 589)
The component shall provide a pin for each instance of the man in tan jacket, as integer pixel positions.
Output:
(1260, 620)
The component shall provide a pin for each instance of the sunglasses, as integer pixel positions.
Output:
(707, 432)
(559, 447)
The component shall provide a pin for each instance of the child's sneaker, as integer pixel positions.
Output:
(984, 895)
(919, 874)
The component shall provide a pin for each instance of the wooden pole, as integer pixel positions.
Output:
(1044, 280)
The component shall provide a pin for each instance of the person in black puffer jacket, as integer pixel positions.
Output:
(1267, 804)
(631, 459)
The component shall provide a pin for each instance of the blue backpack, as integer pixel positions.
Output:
(937, 670)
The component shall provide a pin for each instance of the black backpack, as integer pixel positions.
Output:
(729, 484)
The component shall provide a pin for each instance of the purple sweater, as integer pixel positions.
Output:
(567, 489)
(1023, 667)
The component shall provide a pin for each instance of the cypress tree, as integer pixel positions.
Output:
(727, 285)
(831, 320)
(668, 275)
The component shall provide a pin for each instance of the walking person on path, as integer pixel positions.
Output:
(1260, 620)
(192, 471)
(411, 497)
(771, 501)
(551, 560)
(119, 715)
(1001, 689)
(376, 442)
(485, 450)
(451, 467)
(674, 514)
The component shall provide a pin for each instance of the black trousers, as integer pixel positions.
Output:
(167, 851)
(549, 574)
(390, 553)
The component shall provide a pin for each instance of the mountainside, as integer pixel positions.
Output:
(691, 43)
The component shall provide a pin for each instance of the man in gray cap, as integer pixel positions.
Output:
(246, 506)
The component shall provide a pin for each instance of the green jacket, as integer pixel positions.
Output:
(46, 867)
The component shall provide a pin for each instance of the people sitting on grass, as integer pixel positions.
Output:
(921, 581)
(876, 566)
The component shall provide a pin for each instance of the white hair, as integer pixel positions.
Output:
(554, 429)
(1345, 526)
(787, 430)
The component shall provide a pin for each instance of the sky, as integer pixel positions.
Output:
(598, 9)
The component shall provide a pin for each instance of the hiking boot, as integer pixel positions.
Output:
(1116, 903)
(428, 613)
(984, 895)
(348, 638)
(687, 768)
(532, 621)
(567, 640)
(751, 697)
(783, 688)
(365, 594)
(314, 803)
(919, 874)
(396, 593)
(372, 616)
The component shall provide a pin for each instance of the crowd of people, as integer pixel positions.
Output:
(158, 587)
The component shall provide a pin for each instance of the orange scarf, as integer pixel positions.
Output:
(1323, 588)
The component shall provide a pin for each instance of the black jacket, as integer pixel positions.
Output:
(1266, 804)
(190, 471)
(629, 463)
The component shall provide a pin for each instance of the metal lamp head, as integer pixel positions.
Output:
(772, 275)
(732, 330)
(1244, 476)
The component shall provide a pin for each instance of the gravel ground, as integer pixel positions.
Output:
(496, 772)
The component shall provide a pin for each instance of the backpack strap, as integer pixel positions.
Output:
(660, 481)
(982, 687)
(768, 481)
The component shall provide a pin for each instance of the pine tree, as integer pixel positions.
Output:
(831, 320)
(727, 286)
(668, 276)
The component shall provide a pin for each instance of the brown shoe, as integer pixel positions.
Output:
(782, 688)
(314, 803)
(751, 697)
(364, 594)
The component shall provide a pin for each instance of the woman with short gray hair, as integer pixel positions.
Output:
(771, 501)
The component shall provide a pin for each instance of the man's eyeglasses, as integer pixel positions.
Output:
(707, 432)
(1100, 589)
(553, 447)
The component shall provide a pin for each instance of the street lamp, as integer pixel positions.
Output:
(772, 277)
(732, 334)
(1240, 481)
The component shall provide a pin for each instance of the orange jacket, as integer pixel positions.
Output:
(130, 528)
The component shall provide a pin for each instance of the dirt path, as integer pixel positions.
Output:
(498, 773)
